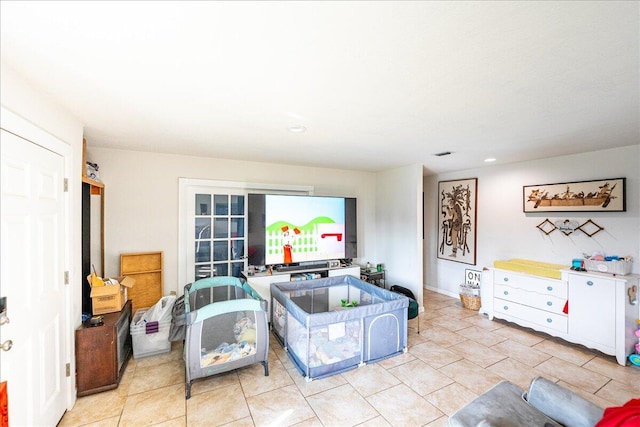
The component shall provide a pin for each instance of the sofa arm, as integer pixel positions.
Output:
(561, 404)
(500, 406)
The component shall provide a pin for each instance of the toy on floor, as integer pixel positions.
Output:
(347, 304)
(635, 358)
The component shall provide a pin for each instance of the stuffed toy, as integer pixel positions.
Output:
(635, 358)
(245, 330)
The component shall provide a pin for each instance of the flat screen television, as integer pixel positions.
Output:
(287, 229)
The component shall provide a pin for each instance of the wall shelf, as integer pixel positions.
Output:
(93, 182)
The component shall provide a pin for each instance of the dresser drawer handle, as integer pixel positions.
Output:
(506, 279)
(549, 303)
(549, 320)
(589, 283)
(549, 288)
(506, 292)
(506, 307)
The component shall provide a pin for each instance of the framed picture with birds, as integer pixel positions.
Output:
(605, 195)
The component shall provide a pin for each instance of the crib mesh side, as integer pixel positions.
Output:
(385, 335)
(324, 349)
(228, 337)
(279, 317)
(204, 296)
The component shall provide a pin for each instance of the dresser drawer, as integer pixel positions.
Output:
(545, 302)
(554, 321)
(541, 285)
(591, 281)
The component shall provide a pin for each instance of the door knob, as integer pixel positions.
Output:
(6, 346)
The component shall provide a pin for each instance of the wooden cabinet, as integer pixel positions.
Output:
(146, 268)
(102, 352)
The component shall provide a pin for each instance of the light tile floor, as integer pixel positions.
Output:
(458, 355)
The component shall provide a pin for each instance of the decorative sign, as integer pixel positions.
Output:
(567, 227)
(472, 277)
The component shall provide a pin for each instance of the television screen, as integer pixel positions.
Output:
(285, 229)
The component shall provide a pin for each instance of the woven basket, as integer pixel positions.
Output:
(470, 302)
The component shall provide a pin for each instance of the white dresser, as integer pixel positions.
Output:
(592, 309)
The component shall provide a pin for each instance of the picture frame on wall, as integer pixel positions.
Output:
(604, 195)
(457, 214)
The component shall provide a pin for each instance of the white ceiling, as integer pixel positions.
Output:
(378, 84)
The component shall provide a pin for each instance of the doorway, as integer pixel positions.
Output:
(33, 216)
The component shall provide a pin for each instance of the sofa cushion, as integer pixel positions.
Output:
(502, 406)
(562, 404)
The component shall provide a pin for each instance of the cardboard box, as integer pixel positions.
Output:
(110, 298)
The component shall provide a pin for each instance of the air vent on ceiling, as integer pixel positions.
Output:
(444, 153)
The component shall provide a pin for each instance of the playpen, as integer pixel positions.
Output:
(226, 328)
(335, 324)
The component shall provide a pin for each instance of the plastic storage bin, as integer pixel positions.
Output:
(621, 267)
(150, 338)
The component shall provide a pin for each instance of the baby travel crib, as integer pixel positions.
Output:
(226, 328)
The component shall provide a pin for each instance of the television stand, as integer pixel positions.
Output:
(301, 267)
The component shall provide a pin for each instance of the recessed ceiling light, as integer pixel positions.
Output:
(490, 159)
(297, 129)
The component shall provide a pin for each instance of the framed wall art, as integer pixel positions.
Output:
(605, 195)
(457, 220)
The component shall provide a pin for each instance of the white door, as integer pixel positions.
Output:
(32, 213)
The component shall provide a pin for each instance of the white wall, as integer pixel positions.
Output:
(398, 227)
(32, 104)
(141, 199)
(504, 231)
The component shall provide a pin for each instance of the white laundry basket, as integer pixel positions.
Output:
(149, 338)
